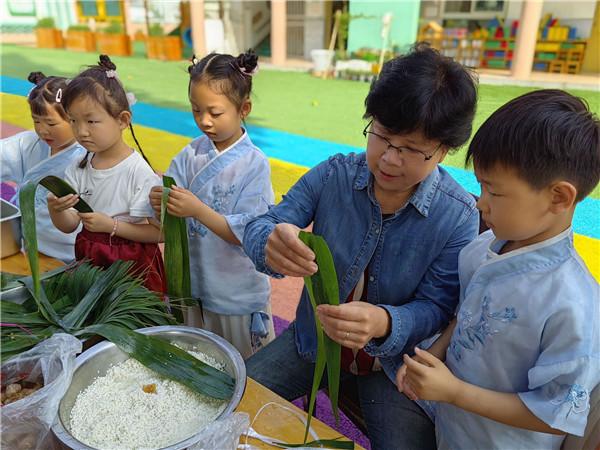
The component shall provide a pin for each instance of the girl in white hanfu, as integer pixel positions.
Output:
(223, 180)
(48, 150)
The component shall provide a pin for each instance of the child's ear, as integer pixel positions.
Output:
(246, 108)
(124, 119)
(562, 196)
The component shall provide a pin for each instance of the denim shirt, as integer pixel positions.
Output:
(412, 255)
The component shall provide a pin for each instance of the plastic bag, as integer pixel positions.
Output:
(26, 422)
(223, 434)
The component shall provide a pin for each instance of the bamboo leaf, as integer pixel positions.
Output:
(170, 361)
(27, 203)
(60, 188)
(328, 443)
(322, 288)
(177, 258)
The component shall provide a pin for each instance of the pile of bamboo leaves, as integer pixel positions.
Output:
(111, 303)
(73, 300)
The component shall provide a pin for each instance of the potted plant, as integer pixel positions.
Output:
(80, 39)
(113, 41)
(47, 35)
(159, 46)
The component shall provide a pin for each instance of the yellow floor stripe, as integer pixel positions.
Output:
(161, 146)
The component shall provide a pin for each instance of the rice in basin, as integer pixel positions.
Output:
(134, 407)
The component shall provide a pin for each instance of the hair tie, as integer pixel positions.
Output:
(112, 74)
(130, 98)
(58, 95)
(253, 72)
(30, 90)
(195, 61)
(238, 71)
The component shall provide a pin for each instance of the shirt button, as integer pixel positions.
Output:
(376, 230)
(371, 278)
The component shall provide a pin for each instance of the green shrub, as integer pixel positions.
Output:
(79, 27)
(46, 22)
(156, 31)
(114, 28)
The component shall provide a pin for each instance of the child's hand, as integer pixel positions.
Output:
(56, 204)
(287, 254)
(97, 222)
(183, 203)
(430, 379)
(403, 385)
(156, 199)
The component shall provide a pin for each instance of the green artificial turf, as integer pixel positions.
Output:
(289, 101)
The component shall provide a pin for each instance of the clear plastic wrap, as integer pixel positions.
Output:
(26, 422)
(223, 434)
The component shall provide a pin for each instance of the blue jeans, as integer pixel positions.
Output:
(393, 421)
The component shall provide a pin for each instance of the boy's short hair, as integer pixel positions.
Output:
(546, 135)
(427, 92)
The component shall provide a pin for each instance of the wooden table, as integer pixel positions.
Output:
(274, 422)
(19, 264)
(278, 423)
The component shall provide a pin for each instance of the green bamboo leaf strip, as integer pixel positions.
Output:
(322, 288)
(60, 188)
(177, 260)
(170, 361)
(27, 203)
(328, 443)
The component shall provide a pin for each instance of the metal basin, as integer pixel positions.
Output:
(96, 361)
(10, 232)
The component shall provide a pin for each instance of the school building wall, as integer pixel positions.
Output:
(366, 32)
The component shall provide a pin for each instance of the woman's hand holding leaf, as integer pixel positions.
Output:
(97, 222)
(354, 324)
(287, 254)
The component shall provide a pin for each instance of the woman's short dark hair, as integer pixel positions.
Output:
(546, 135)
(427, 92)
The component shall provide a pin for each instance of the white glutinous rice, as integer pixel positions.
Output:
(114, 412)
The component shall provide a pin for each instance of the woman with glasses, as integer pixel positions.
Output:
(395, 222)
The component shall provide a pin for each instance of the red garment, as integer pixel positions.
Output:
(355, 361)
(103, 250)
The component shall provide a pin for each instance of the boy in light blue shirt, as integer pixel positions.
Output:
(523, 352)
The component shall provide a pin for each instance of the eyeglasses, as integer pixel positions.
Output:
(407, 153)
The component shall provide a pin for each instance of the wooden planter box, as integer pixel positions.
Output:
(81, 41)
(167, 48)
(114, 44)
(49, 38)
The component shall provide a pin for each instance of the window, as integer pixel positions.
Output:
(473, 9)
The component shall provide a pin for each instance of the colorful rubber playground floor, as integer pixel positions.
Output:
(291, 155)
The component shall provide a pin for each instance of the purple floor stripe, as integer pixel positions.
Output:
(324, 411)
